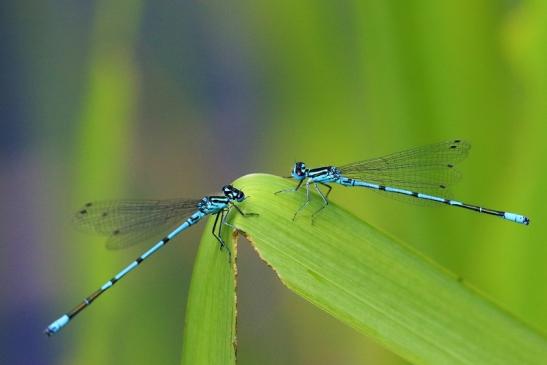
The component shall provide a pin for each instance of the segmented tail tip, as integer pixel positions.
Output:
(517, 218)
(56, 325)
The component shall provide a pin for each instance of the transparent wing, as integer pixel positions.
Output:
(427, 169)
(128, 222)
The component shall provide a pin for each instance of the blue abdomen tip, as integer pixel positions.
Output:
(57, 325)
(516, 218)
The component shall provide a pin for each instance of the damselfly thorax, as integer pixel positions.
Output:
(323, 174)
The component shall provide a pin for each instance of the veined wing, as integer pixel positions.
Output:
(428, 169)
(128, 222)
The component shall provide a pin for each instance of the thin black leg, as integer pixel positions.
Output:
(218, 237)
(328, 187)
(223, 214)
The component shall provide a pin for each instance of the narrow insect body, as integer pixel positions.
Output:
(513, 217)
(219, 205)
(430, 168)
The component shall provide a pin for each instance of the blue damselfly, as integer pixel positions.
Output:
(128, 222)
(422, 173)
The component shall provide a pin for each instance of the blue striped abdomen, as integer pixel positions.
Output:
(513, 217)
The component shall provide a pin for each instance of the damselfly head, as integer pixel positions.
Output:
(299, 171)
(233, 193)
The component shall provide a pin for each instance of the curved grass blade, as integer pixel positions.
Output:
(379, 286)
(210, 321)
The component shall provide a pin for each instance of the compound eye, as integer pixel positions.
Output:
(300, 168)
(228, 190)
(240, 196)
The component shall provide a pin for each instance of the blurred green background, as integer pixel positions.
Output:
(107, 99)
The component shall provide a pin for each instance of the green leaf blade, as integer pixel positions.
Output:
(209, 335)
(379, 286)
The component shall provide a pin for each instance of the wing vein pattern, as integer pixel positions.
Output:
(427, 169)
(128, 222)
